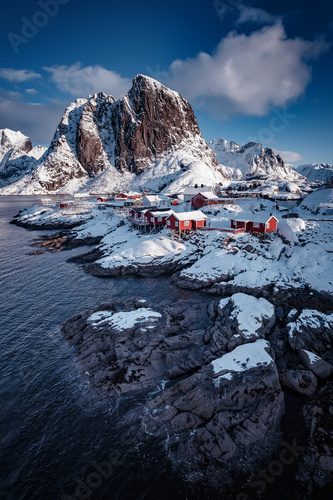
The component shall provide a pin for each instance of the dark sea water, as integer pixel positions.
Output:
(58, 438)
(53, 426)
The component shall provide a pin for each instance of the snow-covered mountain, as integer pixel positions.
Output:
(317, 172)
(149, 137)
(17, 156)
(251, 161)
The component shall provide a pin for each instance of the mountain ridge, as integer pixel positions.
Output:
(252, 160)
(148, 139)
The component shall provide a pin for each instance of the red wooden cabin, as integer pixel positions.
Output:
(257, 224)
(186, 221)
(157, 218)
(205, 198)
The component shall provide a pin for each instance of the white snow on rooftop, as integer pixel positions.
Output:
(194, 215)
(209, 195)
(163, 213)
(156, 197)
(255, 217)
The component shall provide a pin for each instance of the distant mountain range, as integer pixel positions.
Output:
(148, 139)
(251, 161)
(317, 172)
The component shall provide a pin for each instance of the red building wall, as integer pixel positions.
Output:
(238, 224)
(255, 227)
(198, 223)
(199, 201)
(182, 224)
(272, 225)
(173, 221)
(154, 220)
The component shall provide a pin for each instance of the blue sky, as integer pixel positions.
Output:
(252, 70)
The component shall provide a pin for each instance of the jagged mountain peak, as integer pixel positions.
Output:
(10, 139)
(147, 82)
(17, 155)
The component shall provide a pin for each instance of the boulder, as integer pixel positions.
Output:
(302, 381)
(315, 363)
(312, 330)
(227, 413)
(240, 319)
(126, 346)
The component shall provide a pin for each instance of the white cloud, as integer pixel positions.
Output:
(245, 13)
(254, 15)
(31, 91)
(290, 156)
(18, 75)
(247, 74)
(80, 81)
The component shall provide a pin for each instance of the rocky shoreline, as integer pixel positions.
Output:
(212, 373)
(212, 394)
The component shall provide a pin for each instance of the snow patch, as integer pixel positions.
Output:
(124, 320)
(242, 358)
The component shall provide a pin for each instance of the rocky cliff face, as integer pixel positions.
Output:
(252, 161)
(100, 136)
(149, 121)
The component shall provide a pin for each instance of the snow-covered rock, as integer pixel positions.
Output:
(316, 364)
(227, 413)
(320, 202)
(271, 266)
(242, 358)
(126, 252)
(125, 320)
(312, 330)
(53, 217)
(241, 319)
